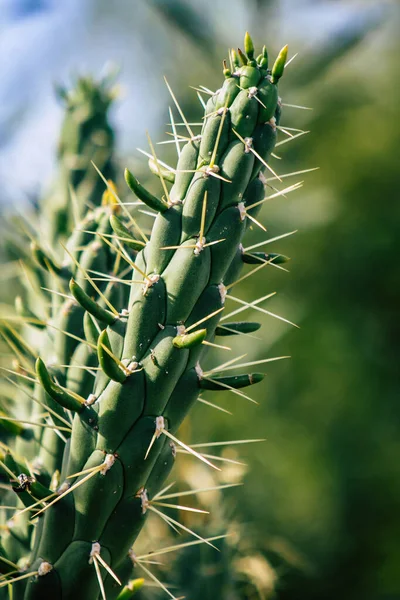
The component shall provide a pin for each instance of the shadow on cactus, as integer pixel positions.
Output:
(133, 314)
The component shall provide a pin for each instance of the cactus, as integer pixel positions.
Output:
(86, 136)
(144, 327)
(89, 101)
(60, 346)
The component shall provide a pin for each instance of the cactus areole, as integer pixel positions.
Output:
(146, 337)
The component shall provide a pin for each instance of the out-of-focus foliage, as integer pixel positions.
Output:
(322, 493)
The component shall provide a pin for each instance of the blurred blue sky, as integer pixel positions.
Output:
(43, 42)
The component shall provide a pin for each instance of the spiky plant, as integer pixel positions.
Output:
(119, 433)
(86, 136)
(44, 313)
(41, 426)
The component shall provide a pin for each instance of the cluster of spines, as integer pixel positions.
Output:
(117, 457)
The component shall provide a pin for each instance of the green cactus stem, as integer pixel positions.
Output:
(144, 341)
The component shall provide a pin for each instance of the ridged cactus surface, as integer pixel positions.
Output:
(140, 312)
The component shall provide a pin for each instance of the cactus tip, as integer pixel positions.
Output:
(225, 69)
(279, 65)
(243, 58)
(248, 46)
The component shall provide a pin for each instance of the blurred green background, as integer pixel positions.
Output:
(322, 494)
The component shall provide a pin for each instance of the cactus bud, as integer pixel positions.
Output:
(279, 65)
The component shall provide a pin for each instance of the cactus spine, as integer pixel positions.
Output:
(148, 339)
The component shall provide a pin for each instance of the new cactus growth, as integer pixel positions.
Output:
(139, 312)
